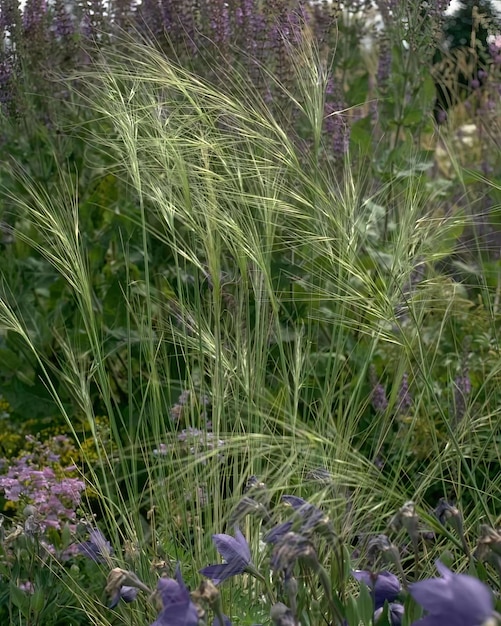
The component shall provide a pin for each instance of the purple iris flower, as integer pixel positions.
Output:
(384, 586)
(178, 608)
(98, 548)
(235, 551)
(453, 599)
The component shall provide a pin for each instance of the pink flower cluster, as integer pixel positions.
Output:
(38, 479)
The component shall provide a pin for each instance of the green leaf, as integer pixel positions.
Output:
(351, 612)
(37, 601)
(20, 599)
(361, 135)
(365, 604)
(384, 618)
(412, 116)
(10, 360)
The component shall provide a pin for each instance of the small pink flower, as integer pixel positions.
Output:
(27, 587)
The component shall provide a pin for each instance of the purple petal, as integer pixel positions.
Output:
(172, 593)
(277, 532)
(443, 570)
(431, 620)
(231, 548)
(178, 609)
(363, 576)
(219, 573)
(97, 548)
(395, 614)
(385, 585)
(457, 598)
(128, 594)
(98, 539)
(187, 616)
(295, 502)
(434, 594)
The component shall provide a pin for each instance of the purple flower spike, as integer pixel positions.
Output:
(235, 551)
(453, 599)
(384, 586)
(178, 609)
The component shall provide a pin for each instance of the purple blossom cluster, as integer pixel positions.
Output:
(62, 22)
(39, 480)
(34, 14)
(336, 126)
(379, 399)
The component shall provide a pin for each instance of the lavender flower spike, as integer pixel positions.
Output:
(178, 608)
(235, 551)
(453, 599)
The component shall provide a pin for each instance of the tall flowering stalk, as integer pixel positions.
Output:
(336, 126)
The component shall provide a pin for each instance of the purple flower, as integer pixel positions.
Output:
(404, 396)
(123, 585)
(453, 599)
(384, 63)
(312, 518)
(278, 532)
(395, 614)
(384, 586)
(178, 609)
(235, 551)
(290, 549)
(97, 548)
(62, 22)
(336, 126)
(127, 594)
(27, 587)
(37, 479)
(34, 13)
(379, 399)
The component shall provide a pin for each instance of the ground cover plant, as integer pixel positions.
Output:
(249, 304)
